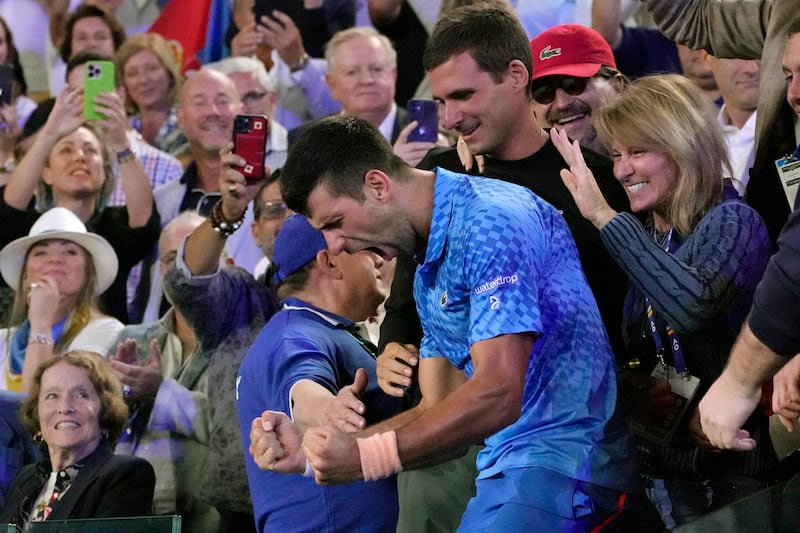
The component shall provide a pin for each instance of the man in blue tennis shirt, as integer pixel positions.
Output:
(514, 353)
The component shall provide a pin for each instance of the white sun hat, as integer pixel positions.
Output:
(60, 223)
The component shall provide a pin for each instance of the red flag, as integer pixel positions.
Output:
(183, 23)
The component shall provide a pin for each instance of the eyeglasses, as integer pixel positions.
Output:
(251, 97)
(544, 91)
(271, 209)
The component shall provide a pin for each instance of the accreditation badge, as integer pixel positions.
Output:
(789, 172)
(660, 429)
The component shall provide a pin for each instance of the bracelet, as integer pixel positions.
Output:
(220, 224)
(41, 338)
(126, 156)
(379, 457)
(301, 64)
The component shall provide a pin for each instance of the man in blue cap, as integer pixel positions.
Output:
(310, 363)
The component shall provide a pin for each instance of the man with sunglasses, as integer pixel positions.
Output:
(574, 73)
(269, 213)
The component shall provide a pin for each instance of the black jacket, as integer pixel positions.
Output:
(107, 486)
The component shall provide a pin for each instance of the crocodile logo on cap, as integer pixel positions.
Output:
(548, 52)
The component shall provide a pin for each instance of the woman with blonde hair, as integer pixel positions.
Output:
(152, 82)
(57, 271)
(693, 268)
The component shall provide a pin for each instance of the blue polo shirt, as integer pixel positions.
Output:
(500, 260)
(304, 342)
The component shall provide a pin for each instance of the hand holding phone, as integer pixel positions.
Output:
(6, 84)
(250, 133)
(426, 113)
(292, 8)
(98, 77)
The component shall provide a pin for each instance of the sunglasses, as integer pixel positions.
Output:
(544, 91)
(272, 209)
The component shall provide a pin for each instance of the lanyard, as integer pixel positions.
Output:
(370, 348)
(674, 343)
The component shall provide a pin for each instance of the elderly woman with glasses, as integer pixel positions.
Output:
(76, 410)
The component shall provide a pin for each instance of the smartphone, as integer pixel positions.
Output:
(6, 84)
(293, 8)
(250, 134)
(98, 77)
(426, 113)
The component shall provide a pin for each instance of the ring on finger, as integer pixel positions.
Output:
(231, 188)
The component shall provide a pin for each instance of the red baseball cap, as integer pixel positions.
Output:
(570, 50)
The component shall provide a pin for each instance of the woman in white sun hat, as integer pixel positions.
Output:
(57, 272)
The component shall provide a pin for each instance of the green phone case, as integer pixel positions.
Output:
(98, 77)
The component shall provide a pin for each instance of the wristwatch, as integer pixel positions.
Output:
(301, 64)
(125, 156)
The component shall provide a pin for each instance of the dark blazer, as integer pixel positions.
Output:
(107, 486)
(17, 449)
(400, 122)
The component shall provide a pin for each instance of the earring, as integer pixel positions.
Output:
(104, 434)
(37, 437)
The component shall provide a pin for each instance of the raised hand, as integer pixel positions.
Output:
(410, 152)
(282, 34)
(9, 130)
(246, 42)
(236, 191)
(42, 309)
(115, 125)
(67, 113)
(580, 181)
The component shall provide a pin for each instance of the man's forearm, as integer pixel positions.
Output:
(203, 249)
(751, 362)
(726, 29)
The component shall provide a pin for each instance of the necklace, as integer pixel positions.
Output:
(663, 239)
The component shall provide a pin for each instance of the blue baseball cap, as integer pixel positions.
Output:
(296, 245)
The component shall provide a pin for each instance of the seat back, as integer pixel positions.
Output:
(135, 524)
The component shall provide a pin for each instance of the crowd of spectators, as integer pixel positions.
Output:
(603, 237)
